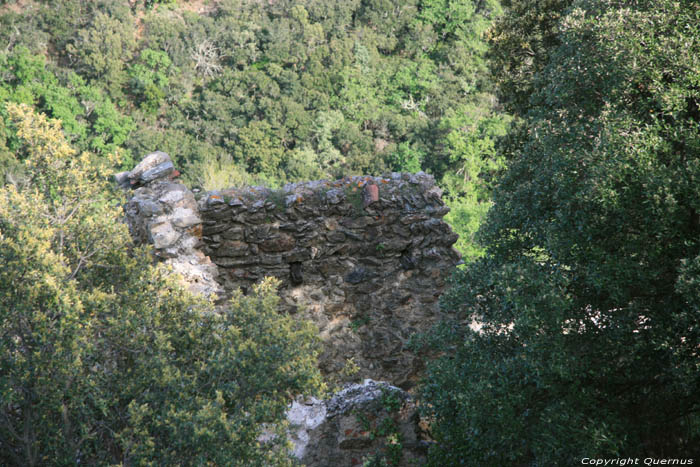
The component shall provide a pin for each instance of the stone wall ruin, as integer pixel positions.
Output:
(365, 258)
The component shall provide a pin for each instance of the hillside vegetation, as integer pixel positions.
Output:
(566, 134)
(247, 92)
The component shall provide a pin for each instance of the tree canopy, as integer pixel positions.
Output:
(587, 294)
(244, 92)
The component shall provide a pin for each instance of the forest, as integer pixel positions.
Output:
(564, 133)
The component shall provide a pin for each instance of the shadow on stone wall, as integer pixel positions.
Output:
(365, 258)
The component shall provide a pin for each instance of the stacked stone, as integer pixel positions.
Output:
(164, 213)
(364, 257)
(346, 430)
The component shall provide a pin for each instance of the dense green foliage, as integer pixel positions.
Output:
(585, 281)
(105, 359)
(242, 91)
(588, 293)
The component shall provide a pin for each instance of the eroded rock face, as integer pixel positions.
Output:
(365, 258)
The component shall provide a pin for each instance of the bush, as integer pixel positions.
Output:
(104, 358)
